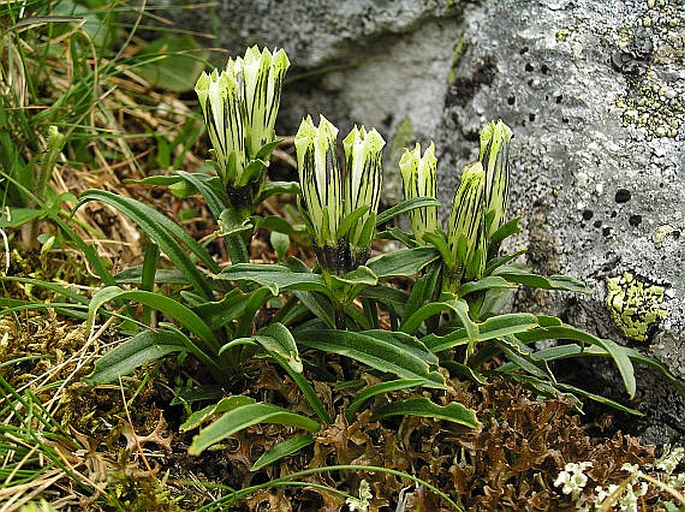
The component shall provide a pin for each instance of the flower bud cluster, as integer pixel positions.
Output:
(339, 202)
(239, 105)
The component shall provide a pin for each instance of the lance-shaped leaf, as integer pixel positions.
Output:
(418, 178)
(220, 96)
(263, 80)
(319, 178)
(467, 227)
(244, 416)
(494, 150)
(363, 179)
(422, 406)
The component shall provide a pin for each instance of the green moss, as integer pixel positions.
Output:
(456, 55)
(634, 306)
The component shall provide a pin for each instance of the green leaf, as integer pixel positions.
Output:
(404, 207)
(272, 188)
(217, 314)
(378, 389)
(143, 348)
(495, 263)
(390, 352)
(210, 188)
(164, 232)
(231, 223)
(402, 263)
(421, 406)
(487, 283)
(505, 231)
(277, 339)
(351, 220)
(251, 171)
(132, 275)
(597, 398)
(281, 450)
(362, 275)
(245, 416)
(522, 356)
(618, 353)
(439, 240)
(307, 389)
(634, 355)
(397, 235)
(555, 282)
(464, 371)
(254, 303)
(224, 405)
(173, 309)
(159, 181)
(53, 287)
(281, 244)
(20, 216)
(320, 305)
(458, 306)
(274, 277)
(493, 328)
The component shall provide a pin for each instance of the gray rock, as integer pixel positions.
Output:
(594, 91)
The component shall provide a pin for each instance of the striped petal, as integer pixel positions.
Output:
(320, 178)
(363, 178)
(467, 226)
(494, 151)
(418, 178)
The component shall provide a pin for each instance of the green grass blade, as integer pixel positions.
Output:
(90, 254)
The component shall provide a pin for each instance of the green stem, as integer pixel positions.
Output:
(237, 249)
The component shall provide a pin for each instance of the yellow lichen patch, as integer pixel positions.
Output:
(661, 233)
(635, 306)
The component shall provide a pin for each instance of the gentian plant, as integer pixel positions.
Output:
(445, 319)
(339, 202)
(239, 105)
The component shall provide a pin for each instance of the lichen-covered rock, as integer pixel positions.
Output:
(595, 93)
